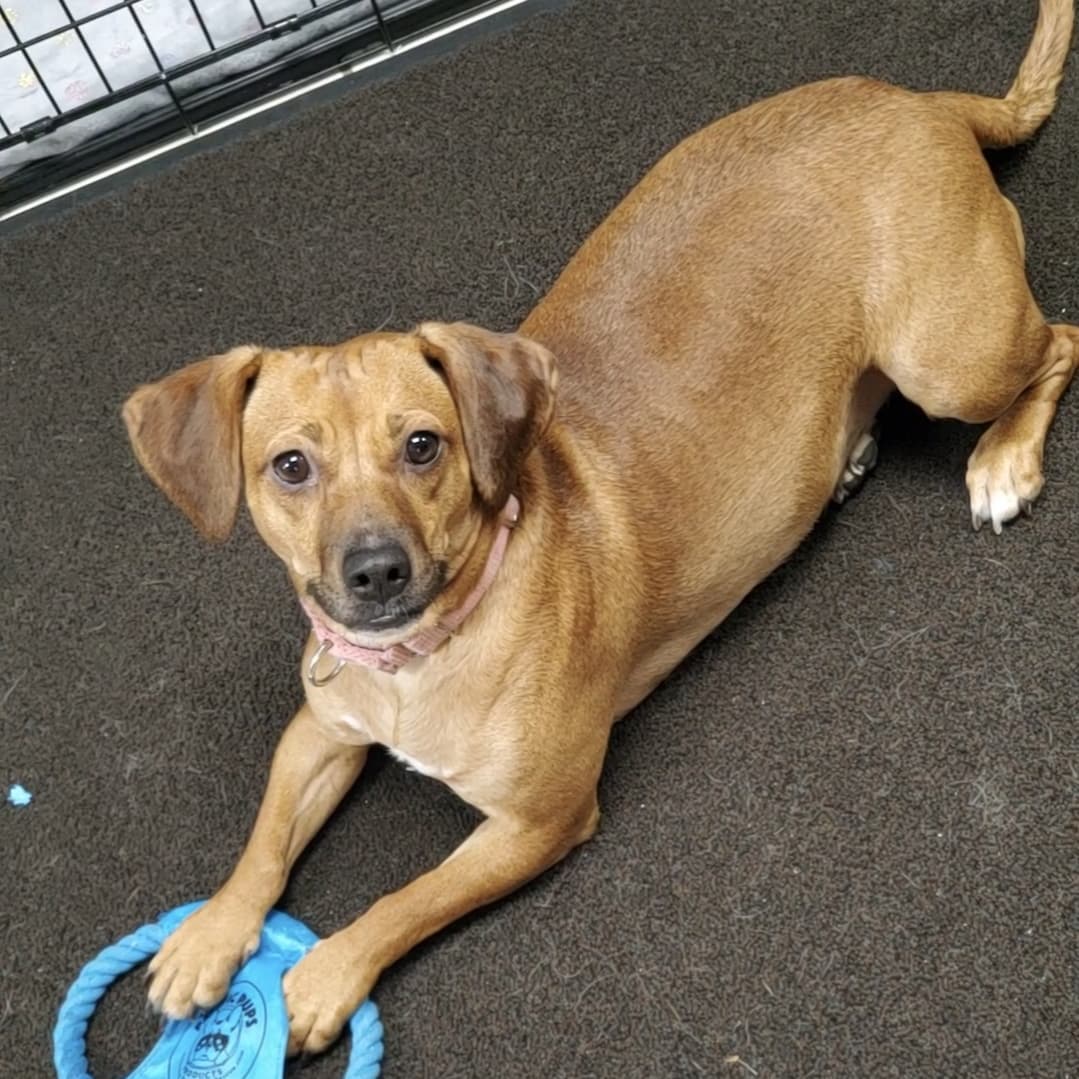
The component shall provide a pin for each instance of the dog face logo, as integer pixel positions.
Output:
(224, 1043)
(222, 1031)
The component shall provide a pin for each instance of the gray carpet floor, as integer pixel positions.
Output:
(839, 841)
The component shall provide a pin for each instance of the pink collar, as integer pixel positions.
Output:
(426, 641)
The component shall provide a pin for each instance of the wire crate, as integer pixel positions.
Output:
(86, 85)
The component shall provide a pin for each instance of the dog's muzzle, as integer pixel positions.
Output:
(391, 660)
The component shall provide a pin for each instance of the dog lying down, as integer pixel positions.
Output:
(480, 526)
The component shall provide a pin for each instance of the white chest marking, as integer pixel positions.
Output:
(418, 766)
(355, 723)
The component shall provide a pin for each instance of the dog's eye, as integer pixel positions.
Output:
(422, 447)
(291, 466)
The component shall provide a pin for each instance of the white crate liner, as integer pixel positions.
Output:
(121, 52)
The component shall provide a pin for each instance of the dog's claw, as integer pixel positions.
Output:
(1003, 479)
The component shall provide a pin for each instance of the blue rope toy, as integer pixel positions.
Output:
(243, 1037)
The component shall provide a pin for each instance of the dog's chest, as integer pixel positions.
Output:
(416, 724)
(414, 753)
(425, 724)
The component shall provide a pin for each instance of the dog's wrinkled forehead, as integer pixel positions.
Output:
(367, 389)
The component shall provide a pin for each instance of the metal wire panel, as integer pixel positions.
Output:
(83, 82)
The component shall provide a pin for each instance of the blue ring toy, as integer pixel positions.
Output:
(243, 1037)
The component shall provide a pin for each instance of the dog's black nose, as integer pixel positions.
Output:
(377, 574)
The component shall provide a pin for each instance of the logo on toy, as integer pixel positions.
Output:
(224, 1043)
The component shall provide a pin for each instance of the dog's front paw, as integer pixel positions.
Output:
(196, 963)
(1003, 481)
(322, 991)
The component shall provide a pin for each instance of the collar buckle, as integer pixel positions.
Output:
(325, 648)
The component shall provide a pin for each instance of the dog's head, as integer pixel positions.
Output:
(369, 468)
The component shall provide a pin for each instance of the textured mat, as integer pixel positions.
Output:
(839, 841)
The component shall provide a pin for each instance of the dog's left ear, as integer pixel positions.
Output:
(185, 430)
(504, 387)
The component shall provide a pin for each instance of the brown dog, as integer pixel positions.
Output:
(383, 472)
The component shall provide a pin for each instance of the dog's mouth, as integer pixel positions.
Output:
(358, 619)
(390, 620)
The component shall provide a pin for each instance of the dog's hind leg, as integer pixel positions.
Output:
(1000, 369)
(1004, 473)
(971, 344)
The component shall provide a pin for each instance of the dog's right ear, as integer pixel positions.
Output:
(185, 430)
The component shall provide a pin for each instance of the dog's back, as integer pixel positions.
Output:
(776, 275)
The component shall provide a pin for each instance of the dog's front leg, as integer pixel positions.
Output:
(334, 978)
(310, 774)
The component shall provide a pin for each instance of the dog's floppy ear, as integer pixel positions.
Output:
(503, 385)
(185, 430)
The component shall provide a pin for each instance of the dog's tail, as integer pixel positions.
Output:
(1005, 121)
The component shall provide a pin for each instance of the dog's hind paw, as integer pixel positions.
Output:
(863, 458)
(1003, 482)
